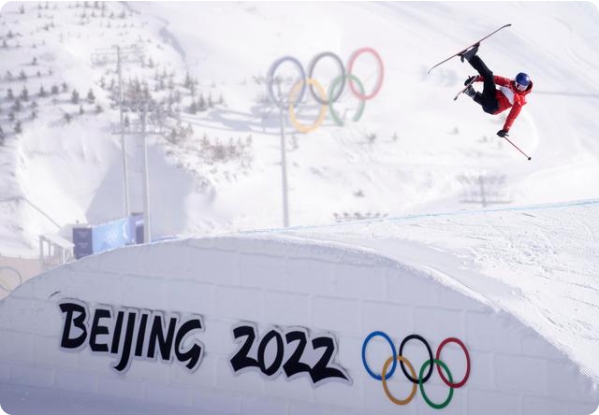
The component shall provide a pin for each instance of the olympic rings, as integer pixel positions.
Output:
(379, 81)
(430, 353)
(422, 378)
(335, 89)
(270, 78)
(438, 357)
(341, 75)
(421, 383)
(323, 110)
(396, 401)
(360, 110)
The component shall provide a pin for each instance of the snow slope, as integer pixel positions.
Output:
(425, 153)
(539, 263)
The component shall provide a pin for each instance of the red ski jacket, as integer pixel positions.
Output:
(509, 97)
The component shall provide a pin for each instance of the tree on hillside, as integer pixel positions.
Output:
(24, 94)
(91, 98)
(22, 76)
(9, 94)
(202, 106)
(17, 106)
(65, 87)
(81, 110)
(9, 76)
(54, 90)
(68, 117)
(75, 97)
(2, 136)
(18, 127)
(42, 93)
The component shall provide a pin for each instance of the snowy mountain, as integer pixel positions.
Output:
(413, 150)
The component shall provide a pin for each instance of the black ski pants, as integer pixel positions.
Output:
(487, 99)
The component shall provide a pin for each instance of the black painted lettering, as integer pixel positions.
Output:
(79, 322)
(98, 330)
(116, 336)
(141, 334)
(193, 356)
(126, 353)
(165, 343)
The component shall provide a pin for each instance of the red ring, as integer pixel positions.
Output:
(379, 83)
(438, 357)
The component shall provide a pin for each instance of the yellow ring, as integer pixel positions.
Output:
(384, 379)
(323, 108)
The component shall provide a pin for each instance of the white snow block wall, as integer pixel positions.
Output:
(268, 326)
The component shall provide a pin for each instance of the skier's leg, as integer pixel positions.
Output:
(489, 87)
(487, 99)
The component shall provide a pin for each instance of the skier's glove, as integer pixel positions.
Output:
(470, 78)
(502, 133)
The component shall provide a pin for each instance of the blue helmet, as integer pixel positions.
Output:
(522, 81)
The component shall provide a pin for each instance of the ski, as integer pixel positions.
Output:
(464, 50)
(464, 89)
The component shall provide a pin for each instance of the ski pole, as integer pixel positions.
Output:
(518, 148)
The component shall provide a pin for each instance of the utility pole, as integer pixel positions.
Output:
(121, 55)
(147, 215)
(283, 161)
(146, 110)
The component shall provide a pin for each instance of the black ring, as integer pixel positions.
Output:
(430, 353)
(311, 71)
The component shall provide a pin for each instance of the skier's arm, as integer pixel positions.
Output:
(512, 117)
(500, 80)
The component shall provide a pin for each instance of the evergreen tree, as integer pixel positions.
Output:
(193, 108)
(65, 87)
(33, 114)
(42, 93)
(9, 76)
(75, 97)
(91, 98)
(202, 104)
(4, 44)
(17, 106)
(18, 127)
(11, 116)
(9, 95)
(24, 94)
(2, 136)
(54, 90)
(22, 76)
(81, 111)
(68, 117)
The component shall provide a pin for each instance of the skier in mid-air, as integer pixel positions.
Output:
(499, 93)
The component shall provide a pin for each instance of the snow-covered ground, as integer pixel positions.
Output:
(414, 151)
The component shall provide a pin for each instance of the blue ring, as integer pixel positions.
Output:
(270, 77)
(370, 372)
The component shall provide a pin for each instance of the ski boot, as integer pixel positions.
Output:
(470, 53)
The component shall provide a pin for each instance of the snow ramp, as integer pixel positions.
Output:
(280, 323)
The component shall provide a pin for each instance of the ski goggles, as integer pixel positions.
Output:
(520, 87)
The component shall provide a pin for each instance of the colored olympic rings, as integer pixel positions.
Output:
(306, 81)
(422, 378)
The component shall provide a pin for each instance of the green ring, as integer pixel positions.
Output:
(332, 87)
(426, 399)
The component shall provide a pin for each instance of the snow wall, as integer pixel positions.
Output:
(252, 325)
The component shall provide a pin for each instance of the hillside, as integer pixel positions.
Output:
(219, 169)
